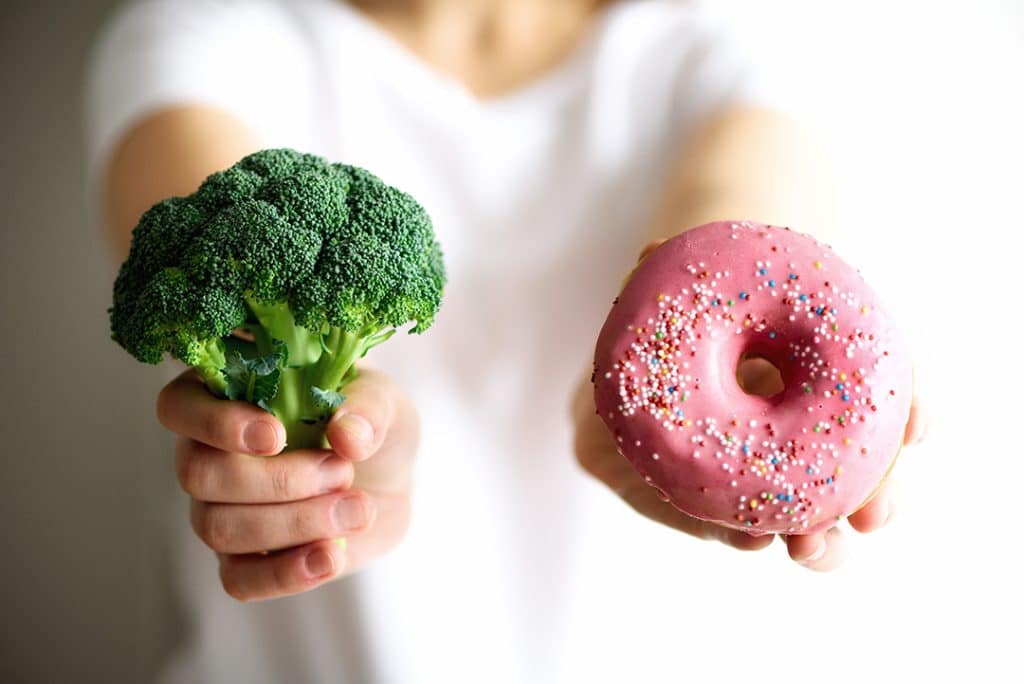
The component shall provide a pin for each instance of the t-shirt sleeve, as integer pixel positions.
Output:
(718, 69)
(245, 58)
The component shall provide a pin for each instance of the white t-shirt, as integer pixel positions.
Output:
(541, 200)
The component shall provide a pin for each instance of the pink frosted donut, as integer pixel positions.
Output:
(665, 380)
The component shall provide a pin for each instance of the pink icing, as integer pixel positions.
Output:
(665, 379)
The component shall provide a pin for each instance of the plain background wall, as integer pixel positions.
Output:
(921, 104)
(84, 464)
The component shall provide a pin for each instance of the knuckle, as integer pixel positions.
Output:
(280, 479)
(281, 579)
(212, 428)
(376, 400)
(164, 404)
(193, 473)
(233, 587)
(306, 522)
(215, 528)
(368, 512)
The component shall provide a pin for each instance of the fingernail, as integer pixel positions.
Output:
(260, 437)
(350, 513)
(319, 563)
(358, 427)
(333, 473)
(818, 554)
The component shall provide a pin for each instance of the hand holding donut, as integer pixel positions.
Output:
(751, 379)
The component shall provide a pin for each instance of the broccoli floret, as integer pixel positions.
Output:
(314, 262)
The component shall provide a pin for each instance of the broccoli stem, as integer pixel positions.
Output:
(341, 350)
(316, 358)
(291, 406)
(295, 406)
(209, 363)
(277, 323)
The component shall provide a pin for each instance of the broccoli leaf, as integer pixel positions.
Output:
(281, 349)
(327, 399)
(255, 380)
(265, 389)
(265, 365)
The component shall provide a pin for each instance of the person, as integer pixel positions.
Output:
(550, 142)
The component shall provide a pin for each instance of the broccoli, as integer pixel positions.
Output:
(315, 262)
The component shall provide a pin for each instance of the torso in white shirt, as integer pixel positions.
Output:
(541, 200)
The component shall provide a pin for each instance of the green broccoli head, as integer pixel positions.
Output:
(322, 260)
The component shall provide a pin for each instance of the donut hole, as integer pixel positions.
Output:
(758, 376)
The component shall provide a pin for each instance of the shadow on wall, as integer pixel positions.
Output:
(86, 582)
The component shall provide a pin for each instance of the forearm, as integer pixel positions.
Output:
(169, 153)
(749, 163)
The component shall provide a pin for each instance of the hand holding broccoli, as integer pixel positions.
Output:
(295, 504)
(316, 263)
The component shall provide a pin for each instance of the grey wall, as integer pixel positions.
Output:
(82, 580)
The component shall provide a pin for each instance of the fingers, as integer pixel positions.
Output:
(361, 423)
(596, 454)
(645, 500)
(245, 504)
(878, 511)
(212, 475)
(917, 424)
(257, 577)
(242, 528)
(187, 408)
(757, 375)
(650, 247)
(644, 253)
(822, 551)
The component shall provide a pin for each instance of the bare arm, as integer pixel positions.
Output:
(168, 153)
(749, 163)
